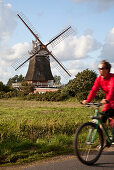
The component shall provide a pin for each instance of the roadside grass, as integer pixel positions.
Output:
(31, 130)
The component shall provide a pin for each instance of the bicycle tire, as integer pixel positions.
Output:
(88, 152)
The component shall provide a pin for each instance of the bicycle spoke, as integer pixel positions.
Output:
(88, 153)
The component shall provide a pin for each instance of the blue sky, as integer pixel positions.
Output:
(91, 20)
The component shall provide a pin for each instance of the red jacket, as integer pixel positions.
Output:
(107, 85)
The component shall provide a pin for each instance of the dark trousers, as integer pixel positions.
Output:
(107, 114)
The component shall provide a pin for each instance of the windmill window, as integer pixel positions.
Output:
(38, 59)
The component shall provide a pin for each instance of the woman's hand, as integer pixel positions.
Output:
(104, 101)
(84, 102)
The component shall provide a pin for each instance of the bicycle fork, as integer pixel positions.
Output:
(91, 136)
(92, 133)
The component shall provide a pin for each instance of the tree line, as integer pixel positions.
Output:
(79, 87)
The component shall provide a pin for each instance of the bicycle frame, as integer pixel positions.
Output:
(99, 123)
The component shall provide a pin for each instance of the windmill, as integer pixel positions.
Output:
(39, 71)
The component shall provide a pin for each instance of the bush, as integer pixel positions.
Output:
(5, 88)
(48, 96)
(2, 94)
(10, 94)
(25, 89)
(81, 85)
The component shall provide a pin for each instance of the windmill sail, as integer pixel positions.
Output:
(60, 67)
(21, 61)
(28, 24)
(61, 36)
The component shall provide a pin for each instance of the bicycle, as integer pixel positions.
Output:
(89, 138)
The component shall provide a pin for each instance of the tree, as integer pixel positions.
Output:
(81, 84)
(57, 80)
(1, 86)
(15, 79)
(4, 88)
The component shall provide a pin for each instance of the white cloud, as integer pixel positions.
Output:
(8, 54)
(108, 47)
(74, 48)
(7, 22)
(17, 51)
(100, 5)
(112, 68)
(80, 65)
(107, 53)
(9, 5)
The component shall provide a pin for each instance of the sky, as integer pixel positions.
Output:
(93, 40)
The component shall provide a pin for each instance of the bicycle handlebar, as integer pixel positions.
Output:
(95, 104)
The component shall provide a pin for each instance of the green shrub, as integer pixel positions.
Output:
(48, 96)
(5, 88)
(2, 94)
(81, 85)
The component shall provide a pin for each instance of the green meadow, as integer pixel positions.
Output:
(34, 130)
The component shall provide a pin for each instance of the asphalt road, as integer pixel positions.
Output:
(69, 162)
(106, 162)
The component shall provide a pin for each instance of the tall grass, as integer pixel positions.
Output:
(30, 130)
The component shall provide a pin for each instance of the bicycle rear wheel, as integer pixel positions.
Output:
(88, 143)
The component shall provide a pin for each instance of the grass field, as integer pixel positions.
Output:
(32, 130)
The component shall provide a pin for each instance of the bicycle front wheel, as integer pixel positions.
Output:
(88, 143)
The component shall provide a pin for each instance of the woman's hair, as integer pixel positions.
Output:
(106, 64)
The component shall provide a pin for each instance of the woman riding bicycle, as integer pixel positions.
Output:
(106, 82)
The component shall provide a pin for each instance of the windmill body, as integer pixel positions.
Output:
(39, 71)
